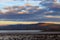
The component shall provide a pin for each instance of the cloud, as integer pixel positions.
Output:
(52, 16)
(4, 3)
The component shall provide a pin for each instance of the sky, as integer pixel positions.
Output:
(4, 3)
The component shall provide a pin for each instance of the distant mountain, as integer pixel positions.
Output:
(40, 26)
(19, 27)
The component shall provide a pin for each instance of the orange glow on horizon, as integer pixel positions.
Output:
(15, 22)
